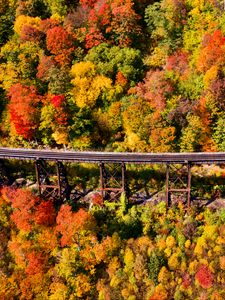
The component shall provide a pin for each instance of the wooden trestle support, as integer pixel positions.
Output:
(113, 180)
(59, 188)
(178, 181)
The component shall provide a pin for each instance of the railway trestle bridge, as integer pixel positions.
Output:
(112, 169)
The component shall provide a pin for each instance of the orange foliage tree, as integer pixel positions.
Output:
(29, 209)
(60, 43)
(212, 52)
(23, 109)
(69, 224)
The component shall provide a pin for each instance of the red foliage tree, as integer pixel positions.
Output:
(103, 10)
(115, 20)
(204, 276)
(100, 15)
(93, 38)
(95, 31)
(178, 63)
(58, 102)
(23, 109)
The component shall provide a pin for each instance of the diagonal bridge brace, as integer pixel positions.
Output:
(178, 180)
(52, 185)
(113, 180)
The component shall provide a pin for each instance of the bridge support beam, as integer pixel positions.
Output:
(178, 182)
(113, 180)
(52, 185)
(5, 177)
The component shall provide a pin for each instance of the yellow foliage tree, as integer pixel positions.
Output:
(8, 75)
(88, 85)
(19, 67)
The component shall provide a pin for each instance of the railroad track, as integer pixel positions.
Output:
(112, 157)
(178, 178)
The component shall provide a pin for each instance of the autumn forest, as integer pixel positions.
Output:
(112, 75)
(117, 75)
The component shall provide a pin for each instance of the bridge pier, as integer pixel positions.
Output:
(60, 186)
(113, 179)
(5, 177)
(49, 188)
(178, 181)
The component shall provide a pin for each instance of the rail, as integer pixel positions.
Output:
(112, 157)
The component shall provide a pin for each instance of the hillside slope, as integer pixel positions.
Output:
(120, 75)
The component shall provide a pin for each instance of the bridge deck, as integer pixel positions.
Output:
(112, 157)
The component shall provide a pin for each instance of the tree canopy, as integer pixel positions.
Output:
(112, 61)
